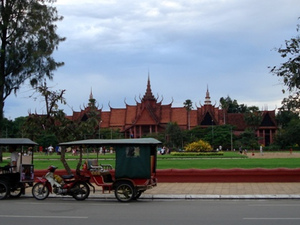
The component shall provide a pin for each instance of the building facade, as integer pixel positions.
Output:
(152, 116)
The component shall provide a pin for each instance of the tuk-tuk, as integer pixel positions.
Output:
(135, 167)
(14, 179)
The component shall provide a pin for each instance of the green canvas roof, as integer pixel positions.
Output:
(94, 142)
(16, 141)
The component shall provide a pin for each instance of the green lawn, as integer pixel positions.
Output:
(228, 161)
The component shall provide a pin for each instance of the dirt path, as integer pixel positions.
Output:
(274, 155)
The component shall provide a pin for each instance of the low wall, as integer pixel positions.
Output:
(219, 175)
(229, 175)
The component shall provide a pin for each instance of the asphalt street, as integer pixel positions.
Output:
(61, 211)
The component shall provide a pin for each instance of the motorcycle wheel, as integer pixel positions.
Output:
(81, 191)
(3, 190)
(124, 191)
(40, 191)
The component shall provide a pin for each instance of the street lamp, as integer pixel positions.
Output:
(99, 128)
(212, 133)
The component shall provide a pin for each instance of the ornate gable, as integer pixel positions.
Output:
(267, 120)
(145, 119)
(208, 113)
(84, 117)
(207, 120)
(147, 109)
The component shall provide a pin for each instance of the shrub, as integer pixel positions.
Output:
(198, 146)
(202, 154)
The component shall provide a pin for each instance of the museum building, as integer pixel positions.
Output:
(152, 116)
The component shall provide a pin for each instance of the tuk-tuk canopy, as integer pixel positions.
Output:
(101, 142)
(135, 158)
(16, 141)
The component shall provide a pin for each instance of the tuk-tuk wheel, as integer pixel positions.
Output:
(16, 192)
(138, 194)
(4, 190)
(124, 191)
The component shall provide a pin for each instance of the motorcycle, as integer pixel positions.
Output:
(75, 186)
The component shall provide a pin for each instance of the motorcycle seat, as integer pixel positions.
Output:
(69, 176)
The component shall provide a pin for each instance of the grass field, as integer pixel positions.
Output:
(227, 161)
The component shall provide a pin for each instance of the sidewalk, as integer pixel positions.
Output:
(216, 191)
(209, 191)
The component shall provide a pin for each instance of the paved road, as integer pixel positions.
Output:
(62, 211)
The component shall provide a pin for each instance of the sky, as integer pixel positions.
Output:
(184, 46)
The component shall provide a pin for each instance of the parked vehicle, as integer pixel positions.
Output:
(135, 170)
(75, 186)
(15, 179)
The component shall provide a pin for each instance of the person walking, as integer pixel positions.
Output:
(13, 158)
(261, 150)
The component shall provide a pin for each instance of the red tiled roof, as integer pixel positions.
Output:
(165, 115)
(105, 118)
(131, 112)
(179, 115)
(237, 120)
(117, 117)
(193, 118)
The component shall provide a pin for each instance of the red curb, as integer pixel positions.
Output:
(229, 175)
(218, 175)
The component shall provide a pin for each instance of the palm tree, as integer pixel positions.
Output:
(188, 105)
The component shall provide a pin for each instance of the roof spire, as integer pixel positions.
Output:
(92, 101)
(91, 94)
(207, 97)
(148, 95)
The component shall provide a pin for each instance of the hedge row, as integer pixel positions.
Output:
(197, 153)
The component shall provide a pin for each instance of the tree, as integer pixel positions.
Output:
(289, 71)
(51, 98)
(287, 138)
(219, 136)
(283, 118)
(28, 39)
(174, 135)
(248, 139)
(6, 127)
(289, 124)
(232, 106)
(188, 105)
(253, 117)
(110, 133)
(37, 125)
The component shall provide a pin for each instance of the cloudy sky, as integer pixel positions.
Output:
(184, 45)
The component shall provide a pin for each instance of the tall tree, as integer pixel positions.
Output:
(54, 122)
(253, 117)
(289, 71)
(284, 117)
(232, 106)
(286, 137)
(28, 39)
(51, 98)
(188, 105)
